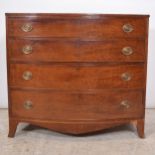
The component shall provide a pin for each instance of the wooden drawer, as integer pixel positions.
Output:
(77, 105)
(77, 76)
(123, 50)
(81, 28)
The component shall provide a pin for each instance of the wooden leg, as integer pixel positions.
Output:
(12, 127)
(140, 128)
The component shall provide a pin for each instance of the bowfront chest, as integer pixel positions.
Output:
(76, 73)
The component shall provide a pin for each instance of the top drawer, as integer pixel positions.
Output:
(77, 28)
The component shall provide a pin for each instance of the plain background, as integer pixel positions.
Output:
(79, 6)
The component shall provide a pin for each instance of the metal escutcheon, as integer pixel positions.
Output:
(127, 51)
(128, 28)
(27, 27)
(28, 104)
(27, 75)
(126, 76)
(27, 49)
(125, 104)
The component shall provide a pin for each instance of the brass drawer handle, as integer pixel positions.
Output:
(126, 76)
(27, 75)
(27, 27)
(125, 104)
(27, 49)
(28, 105)
(127, 51)
(128, 28)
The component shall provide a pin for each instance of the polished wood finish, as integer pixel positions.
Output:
(77, 50)
(140, 128)
(81, 28)
(77, 76)
(12, 127)
(76, 73)
(77, 105)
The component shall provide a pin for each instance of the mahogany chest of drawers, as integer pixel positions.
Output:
(76, 73)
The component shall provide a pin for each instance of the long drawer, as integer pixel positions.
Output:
(81, 28)
(77, 105)
(123, 50)
(77, 76)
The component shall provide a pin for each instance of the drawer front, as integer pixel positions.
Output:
(84, 28)
(77, 105)
(123, 50)
(76, 77)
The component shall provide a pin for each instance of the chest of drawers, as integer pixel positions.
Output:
(76, 73)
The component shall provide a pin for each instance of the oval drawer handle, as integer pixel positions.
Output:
(27, 75)
(27, 49)
(28, 104)
(125, 104)
(127, 28)
(127, 51)
(27, 27)
(126, 76)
